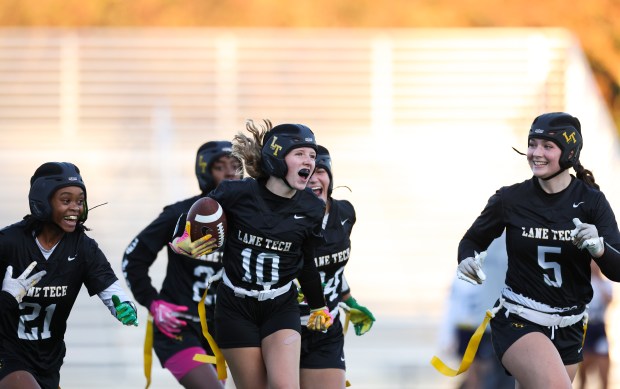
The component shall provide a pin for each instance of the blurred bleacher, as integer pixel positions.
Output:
(420, 123)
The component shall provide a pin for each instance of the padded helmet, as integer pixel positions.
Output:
(563, 130)
(323, 160)
(206, 155)
(279, 141)
(47, 179)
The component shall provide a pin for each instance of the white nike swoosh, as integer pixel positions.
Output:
(71, 258)
(575, 205)
(342, 359)
(298, 217)
(344, 221)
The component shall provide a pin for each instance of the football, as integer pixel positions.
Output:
(206, 216)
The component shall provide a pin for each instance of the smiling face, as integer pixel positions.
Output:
(319, 183)
(67, 206)
(543, 157)
(300, 163)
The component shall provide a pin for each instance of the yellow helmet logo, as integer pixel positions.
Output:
(275, 147)
(202, 164)
(570, 138)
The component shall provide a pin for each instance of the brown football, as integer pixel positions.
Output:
(207, 216)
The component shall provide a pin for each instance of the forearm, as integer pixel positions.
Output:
(136, 272)
(114, 289)
(609, 263)
(313, 290)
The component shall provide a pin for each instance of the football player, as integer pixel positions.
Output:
(322, 353)
(177, 335)
(273, 221)
(556, 224)
(32, 345)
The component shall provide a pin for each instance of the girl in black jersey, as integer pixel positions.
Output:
(272, 224)
(32, 343)
(177, 335)
(555, 225)
(322, 353)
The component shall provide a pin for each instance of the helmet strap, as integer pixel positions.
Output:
(553, 175)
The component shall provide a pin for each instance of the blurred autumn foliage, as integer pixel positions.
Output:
(594, 22)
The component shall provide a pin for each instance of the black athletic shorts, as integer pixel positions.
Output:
(485, 349)
(321, 350)
(245, 321)
(596, 339)
(190, 336)
(506, 331)
(10, 364)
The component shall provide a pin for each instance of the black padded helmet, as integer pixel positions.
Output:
(562, 129)
(47, 179)
(323, 160)
(206, 155)
(279, 141)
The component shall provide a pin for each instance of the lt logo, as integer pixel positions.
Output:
(570, 137)
(202, 164)
(275, 147)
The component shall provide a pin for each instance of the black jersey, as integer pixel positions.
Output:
(38, 337)
(186, 277)
(268, 235)
(332, 252)
(543, 263)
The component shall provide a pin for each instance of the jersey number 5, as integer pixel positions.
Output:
(545, 264)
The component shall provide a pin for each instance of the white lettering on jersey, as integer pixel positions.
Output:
(48, 291)
(270, 244)
(277, 245)
(338, 257)
(546, 233)
(250, 239)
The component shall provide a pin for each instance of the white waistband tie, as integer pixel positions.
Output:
(260, 295)
(551, 320)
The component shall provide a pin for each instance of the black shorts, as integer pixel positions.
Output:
(485, 349)
(10, 364)
(245, 321)
(596, 339)
(190, 336)
(507, 330)
(323, 350)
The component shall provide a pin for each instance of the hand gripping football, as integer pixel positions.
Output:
(206, 216)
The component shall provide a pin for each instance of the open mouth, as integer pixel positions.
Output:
(317, 190)
(305, 173)
(72, 218)
(540, 163)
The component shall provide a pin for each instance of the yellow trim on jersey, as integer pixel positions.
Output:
(470, 352)
(217, 358)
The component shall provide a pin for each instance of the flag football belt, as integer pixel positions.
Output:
(552, 320)
(543, 319)
(217, 358)
(260, 295)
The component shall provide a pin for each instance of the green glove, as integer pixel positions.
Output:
(125, 312)
(361, 317)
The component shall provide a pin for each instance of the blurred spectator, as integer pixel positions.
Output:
(465, 311)
(596, 347)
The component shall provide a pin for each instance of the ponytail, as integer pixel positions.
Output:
(585, 175)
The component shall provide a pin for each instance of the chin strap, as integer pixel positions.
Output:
(553, 175)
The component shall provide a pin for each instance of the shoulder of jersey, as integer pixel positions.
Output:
(181, 206)
(247, 182)
(344, 206)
